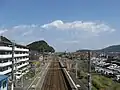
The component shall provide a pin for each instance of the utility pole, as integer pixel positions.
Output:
(76, 68)
(89, 71)
(13, 47)
(22, 82)
(43, 56)
(15, 65)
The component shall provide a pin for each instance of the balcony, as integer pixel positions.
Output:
(6, 71)
(21, 49)
(20, 55)
(5, 64)
(5, 48)
(9, 70)
(10, 48)
(22, 65)
(20, 74)
(21, 60)
(6, 56)
(10, 62)
(15, 55)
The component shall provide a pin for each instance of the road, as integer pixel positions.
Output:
(54, 79)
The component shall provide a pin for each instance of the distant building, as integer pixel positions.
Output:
(3, 82)
(118, 78)
(21, 59)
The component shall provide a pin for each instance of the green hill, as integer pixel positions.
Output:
(40, 46)
(114, 48)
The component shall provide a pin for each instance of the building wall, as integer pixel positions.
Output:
(21, 58)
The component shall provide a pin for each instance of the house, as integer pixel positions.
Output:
(118, 77)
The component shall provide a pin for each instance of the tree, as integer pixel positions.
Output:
(41, 46)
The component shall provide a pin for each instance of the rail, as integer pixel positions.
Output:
(68, 78)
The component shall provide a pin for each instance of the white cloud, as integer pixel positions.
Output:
(3, 31)
(93, 27)
(71, 42)
(41, 38)
(63, 35)
(25, 26)
(27, 33)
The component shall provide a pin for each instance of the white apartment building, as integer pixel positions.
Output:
(21, 59)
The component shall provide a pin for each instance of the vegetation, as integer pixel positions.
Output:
(41, 46)
(35, 70)
(99, 82)
(83, 65)
(104, 83)
(36, 63)
(30, 74)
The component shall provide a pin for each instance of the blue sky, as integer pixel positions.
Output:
(64, 24)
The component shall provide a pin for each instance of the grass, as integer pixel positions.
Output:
(100, 82)
(115, 86)
(103, 83)
(36, 63)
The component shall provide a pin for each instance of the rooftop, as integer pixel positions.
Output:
(4, 41)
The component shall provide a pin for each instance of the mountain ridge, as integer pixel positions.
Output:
(112, 48)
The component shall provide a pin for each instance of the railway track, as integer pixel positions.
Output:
(54, 79)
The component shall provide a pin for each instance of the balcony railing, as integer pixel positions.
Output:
(10, 48)
(6, 71)
(19, 55)
(22, 65)
(21, 49)
(5, 64)
(6, 56)
(20, 74)
(5, 48)
(10, 62)
(9, 69)
(16, 55)
(21, 60)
